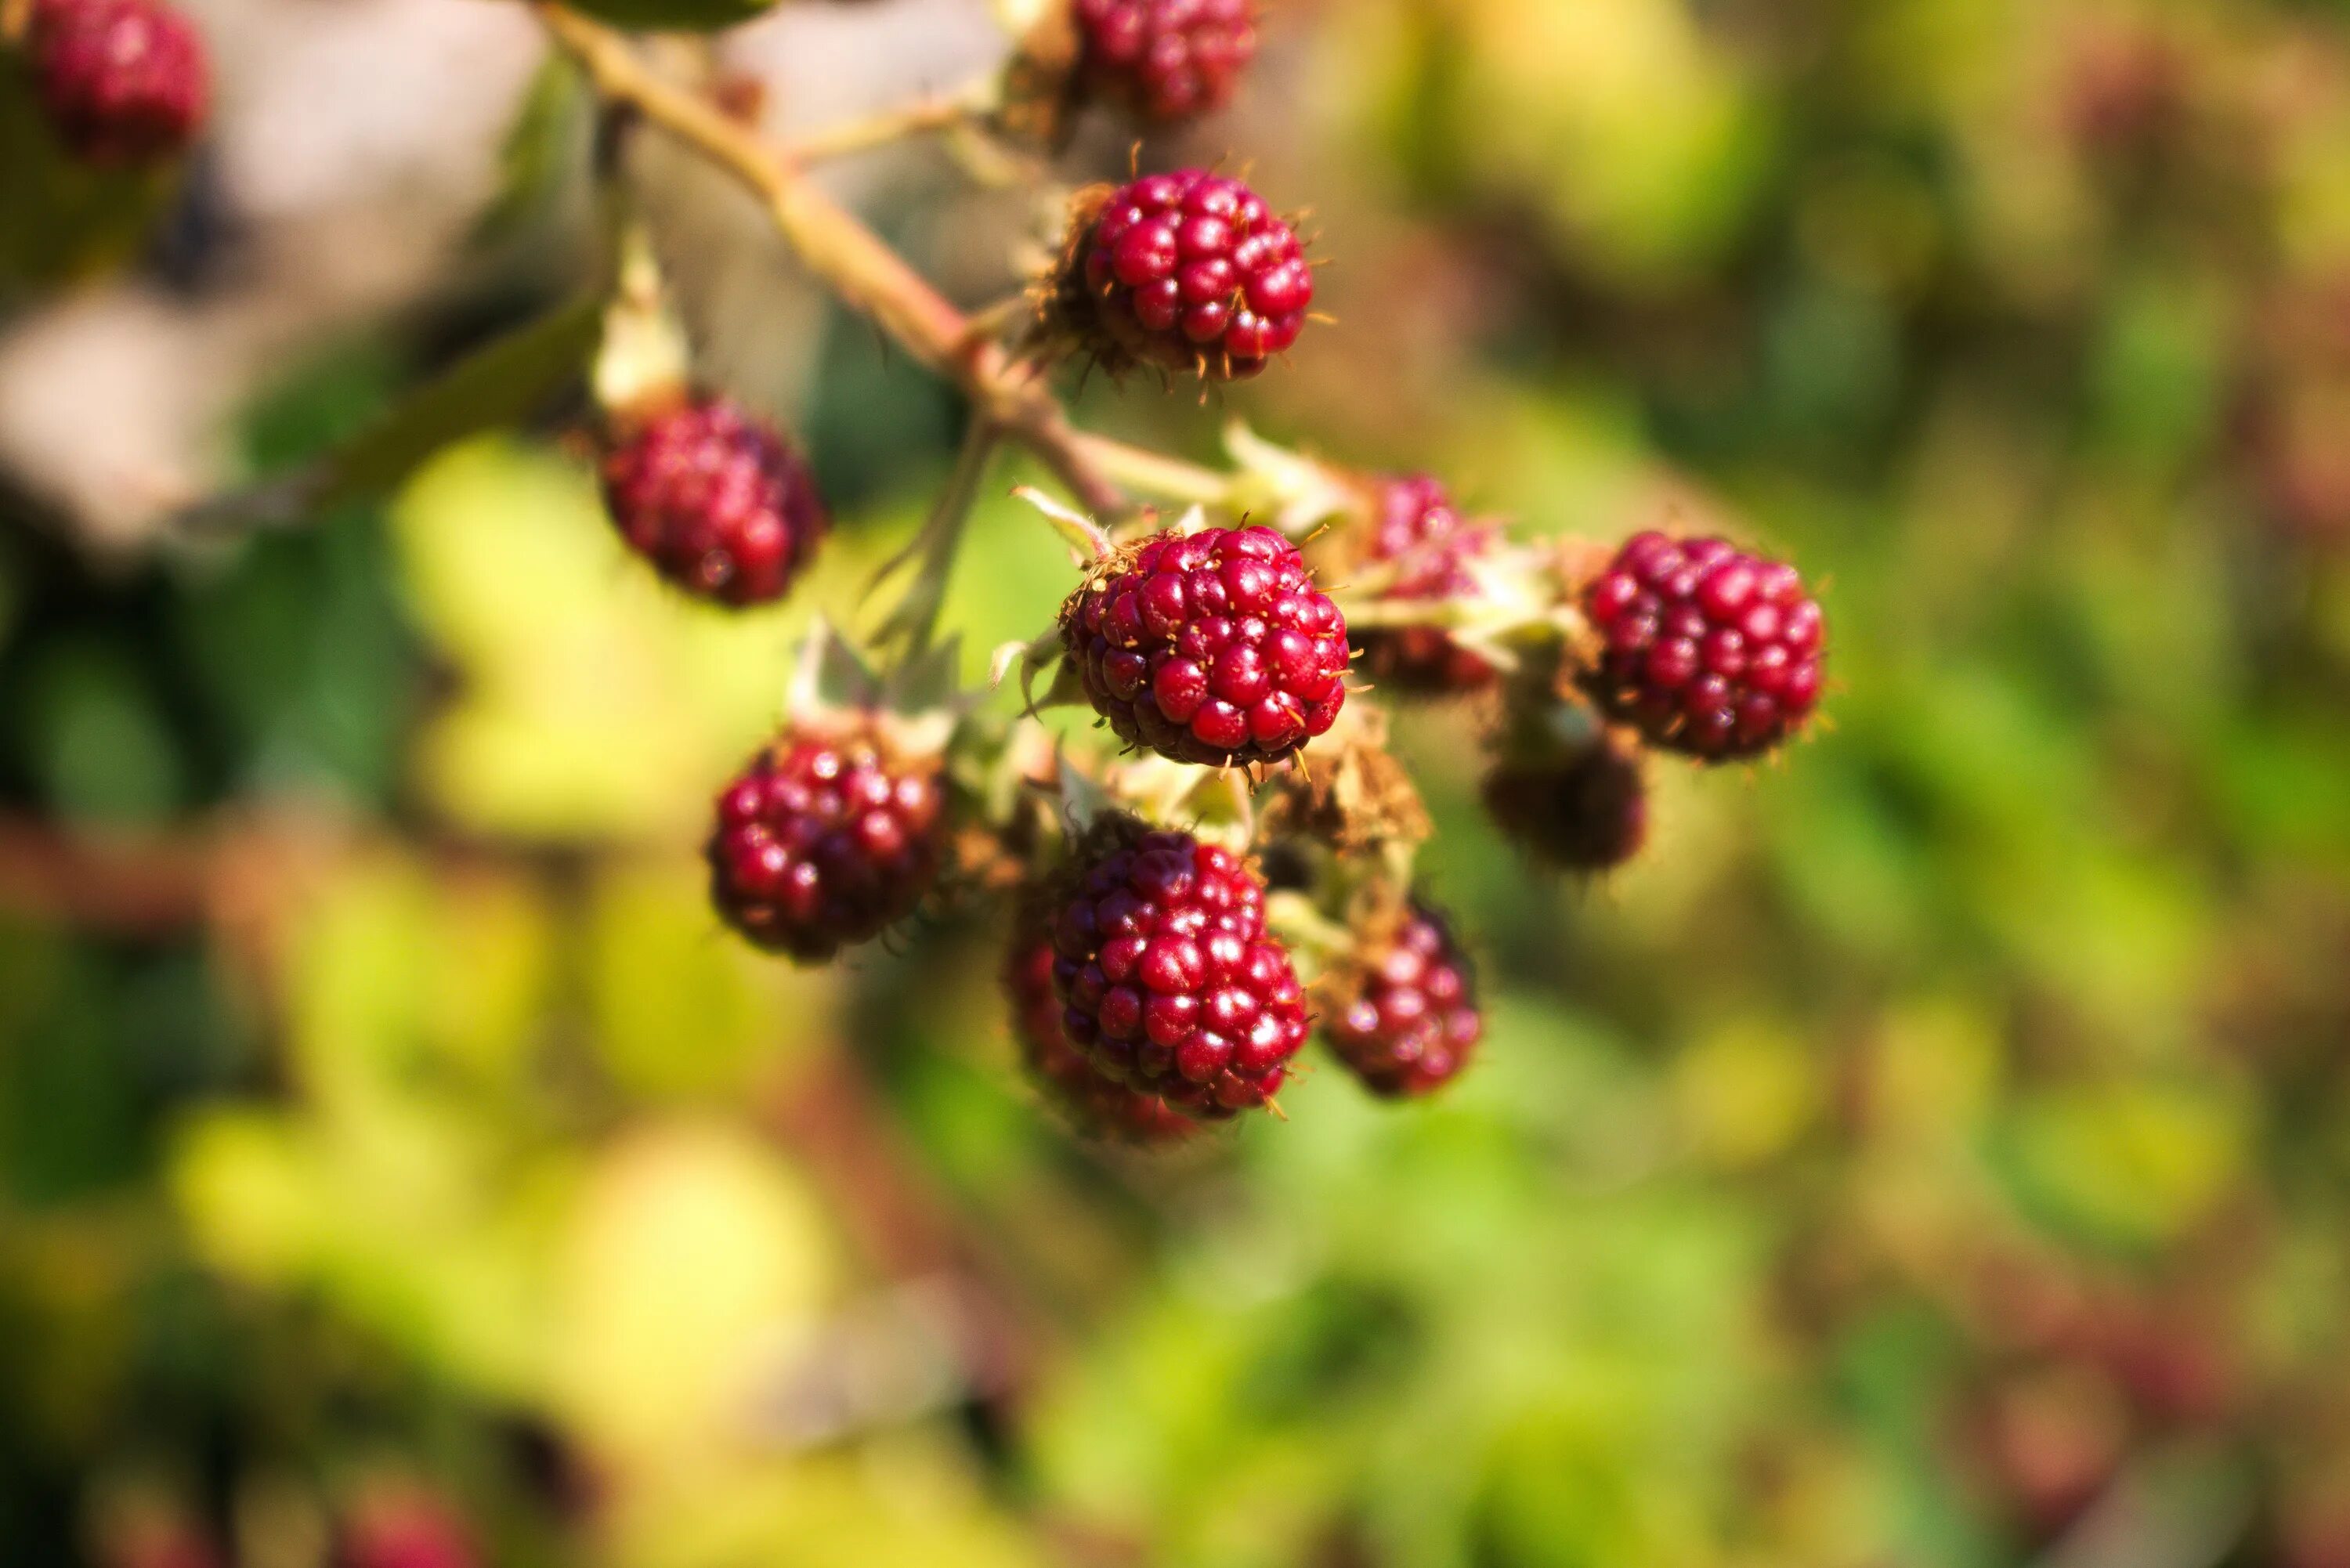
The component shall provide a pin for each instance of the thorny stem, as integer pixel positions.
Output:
(864, 272)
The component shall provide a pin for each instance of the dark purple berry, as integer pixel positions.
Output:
(716, 500)
(831, 835)
(1407, 1022)
(1584, 811)
(1166, 60)
(122, 82)
(1212, 647)
(1709, 651)
(1168, 980)
(1417, 530)
(1188, 270)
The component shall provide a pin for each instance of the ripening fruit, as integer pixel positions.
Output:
(123, 82)
(1190, 272)
(401, 1528)
(1709, 651)
(1096, 1106)
(1166, 60)
(1584, 810)
(1406, 1023)
(1212, 646)
(831, 835)
(1167, 980)
(716, 499)
(1416, 528)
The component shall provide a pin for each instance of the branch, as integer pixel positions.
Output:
(863, 270)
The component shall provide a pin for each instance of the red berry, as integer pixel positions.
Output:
(1584, 811)
(1709, 651)
(1096, 1106)
(1168, 981)
(122, 82)
(1165, 59)
(406, 1530)
(831, 835)
(1191, 271)
(1418, 530)
(716, 500)
(1212, 647)
(1407, 1022)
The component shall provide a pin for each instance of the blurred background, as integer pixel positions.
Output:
(1933, 1153)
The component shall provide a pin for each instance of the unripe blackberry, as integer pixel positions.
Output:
(1407, 1021)
(1188, 270)
(121, 81)
(1096, 1106)
(829, 836)
(1709, 651)
(1166, 60)
(1212, 646)
(1416, 528)
(716, 499)
(1584, 810)
(1168, 981)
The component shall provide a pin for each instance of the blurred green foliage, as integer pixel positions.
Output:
(1933, 1153)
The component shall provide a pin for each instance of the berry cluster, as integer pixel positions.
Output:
(1212, 646)
(123, 82)
(1709, 651)
(1188, 272)
(1408, 1023)
(716, 499)
(1166, 60)
(1167, 980)
(827, 837)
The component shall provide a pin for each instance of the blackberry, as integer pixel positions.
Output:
(1167, 980)
(829, 836)
(122, 82)
(1166, 60)
(1212, 647)
(1709, 651)
(1584, 810)
(716, 500)
(1096, 1106)
(1416, 529)
(1406, 1022)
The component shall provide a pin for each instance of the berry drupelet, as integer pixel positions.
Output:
(1709, 651)
(1168, 981)
(1095, 1106)
(1406, 1022)
(1166, 60)
(831, 835)
(1188, 270)
(1416, 531)
(1212, 646)
(1584, 811)
(716, 499)
(123, 82)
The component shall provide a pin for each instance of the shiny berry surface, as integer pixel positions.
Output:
(1709, 651)
(716, 500)
(1212, 647)
(825, 840)
(1096, 1106)
(121, 81)
(1166, 60)
(1168, 980)
(1420, 535)
(1191, 272)
(1586, 811)
(1410, 1024)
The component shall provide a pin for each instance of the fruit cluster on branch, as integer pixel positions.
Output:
(1237, 655)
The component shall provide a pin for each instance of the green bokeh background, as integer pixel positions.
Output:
(1932, 1153)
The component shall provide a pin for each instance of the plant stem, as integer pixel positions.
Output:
(870, 276)
(919, 117)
